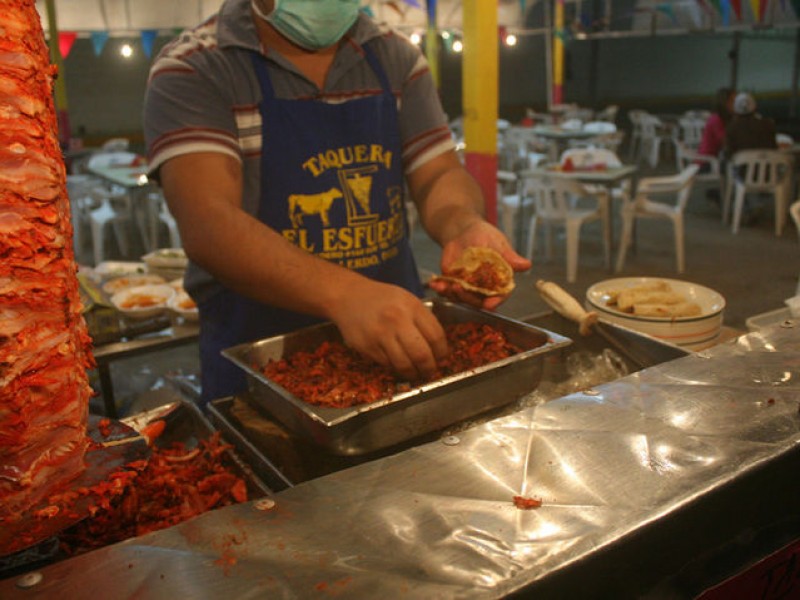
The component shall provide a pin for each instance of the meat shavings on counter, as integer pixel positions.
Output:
(337, 376)
(176, 484)
(526, 503)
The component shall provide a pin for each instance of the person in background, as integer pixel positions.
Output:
(713, 139)
(284, 133)
(748, 130)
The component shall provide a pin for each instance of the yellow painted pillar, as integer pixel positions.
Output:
(432, 47)
(60, 85)
(480, 97)
(558, 53)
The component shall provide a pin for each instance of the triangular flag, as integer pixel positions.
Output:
(725, 11)
(756, 6)
(717, 5)
(413, 3)
(763, 10)
(522, 7)
(65, 41)
(431, 4)
(737, 8)
(148, 37)
(99, 39)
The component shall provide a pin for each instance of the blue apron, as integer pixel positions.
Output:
(332, 184)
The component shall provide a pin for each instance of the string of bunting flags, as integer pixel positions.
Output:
(724, 12)
(99, 39)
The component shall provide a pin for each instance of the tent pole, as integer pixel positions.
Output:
(432, 46)
(733, 54)
(480, 97)
(60, 85)
(558, 53)
(795, 72)
(548, 53)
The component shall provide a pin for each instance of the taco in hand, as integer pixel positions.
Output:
(482, 271)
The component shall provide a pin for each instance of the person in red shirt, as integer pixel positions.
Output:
(713, 140)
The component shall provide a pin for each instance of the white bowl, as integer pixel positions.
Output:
(183, 306)
(691, 333)
(143, 301)
(166, 258)
(169, 263)
(112, 286)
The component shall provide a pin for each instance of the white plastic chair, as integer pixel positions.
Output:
(685, 156)
(609, 113)
(510, 205)
(689, 133)
(645, 206)
(158, 213)
(635, 117)
(112, 207)
(80, 190)
(651, 137)
(794, 210)
(557, 201)
(758, 171)
(697, 115)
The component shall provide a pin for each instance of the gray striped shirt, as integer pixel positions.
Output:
(203, 95)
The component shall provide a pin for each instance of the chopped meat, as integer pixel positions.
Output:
(337, 376)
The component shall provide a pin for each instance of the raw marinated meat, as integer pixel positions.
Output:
(44, 344)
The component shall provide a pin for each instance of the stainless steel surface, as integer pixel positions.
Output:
(646, 484)
(430, 407)
(267, 471)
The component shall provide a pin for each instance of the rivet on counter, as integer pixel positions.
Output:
(29, 580)
(703, 354)
(451, 440)
(788, 324)
(265, 504)
(591, 392)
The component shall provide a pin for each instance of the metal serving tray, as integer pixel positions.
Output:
(424, 409)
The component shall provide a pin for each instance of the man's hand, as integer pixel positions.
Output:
(392, 327)
(481, 234)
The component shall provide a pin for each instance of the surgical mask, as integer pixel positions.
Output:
(312, 24)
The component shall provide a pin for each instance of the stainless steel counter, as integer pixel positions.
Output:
(655, 485)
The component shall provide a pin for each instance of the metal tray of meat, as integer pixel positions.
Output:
(393, 420)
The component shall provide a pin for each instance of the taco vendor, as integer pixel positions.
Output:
(284, 134)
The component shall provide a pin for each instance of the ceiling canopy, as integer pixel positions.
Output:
(122, 17)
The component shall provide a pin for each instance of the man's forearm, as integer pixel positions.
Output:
(449, 202)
